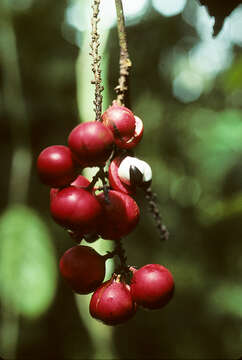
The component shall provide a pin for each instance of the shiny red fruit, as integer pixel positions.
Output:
(83, 268)
(53, 192)
(120, 120)
(119, 216)
(81, 181)
(75, 209)
(112, 303)
(152, 286)
(114, 179)
(56, 166)
(92, 143)
(137, 136)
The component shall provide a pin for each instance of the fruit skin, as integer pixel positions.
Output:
(121, 121)
(139, 129)
(83, 268)
(53, 193)
(56, 166)
(75, 209)
(119, 216)
(114, 179)
(137, 136)
(152, 286)
(81, 181)
(135, 172)
(92, 143)
(112, 303)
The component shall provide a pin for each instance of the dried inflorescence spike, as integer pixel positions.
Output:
(152, 201)
(96, 60)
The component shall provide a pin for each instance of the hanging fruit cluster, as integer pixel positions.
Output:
(110, 211)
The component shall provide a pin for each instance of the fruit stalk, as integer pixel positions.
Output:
(151, 198)
(124, 61)
(120, 251)
(96, 60)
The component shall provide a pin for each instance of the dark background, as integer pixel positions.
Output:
(190, 103)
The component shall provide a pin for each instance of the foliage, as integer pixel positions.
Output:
(27, 262)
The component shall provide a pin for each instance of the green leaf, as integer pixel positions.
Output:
(28, 272)
(226, 299)
(231, 80)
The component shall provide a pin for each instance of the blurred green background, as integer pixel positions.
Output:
(187, 88)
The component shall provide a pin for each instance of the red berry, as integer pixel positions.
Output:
(114, 179)
(92, 143)
(56, 166)
(80, 181)
(120, 120)
(138, 134)
(119, 215)
(53, 192)
(83, 268)
(152, 286)
(112, 303)
(75, 209)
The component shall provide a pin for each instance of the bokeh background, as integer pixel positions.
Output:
(187, 88)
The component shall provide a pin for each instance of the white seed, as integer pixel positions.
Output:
(142, 166)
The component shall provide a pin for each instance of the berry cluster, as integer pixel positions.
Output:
(107, 212)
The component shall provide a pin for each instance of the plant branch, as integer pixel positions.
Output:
(96, 60)
(120, 252)
(151, 198)
(124, 61)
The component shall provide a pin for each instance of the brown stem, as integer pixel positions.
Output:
(120, 251)
(96, 61)
(109, 255)
(105, 186)
(100, 175)
(124, 61)
(151, 198)
(94, 180)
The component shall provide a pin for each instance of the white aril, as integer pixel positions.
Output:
(130, 162)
